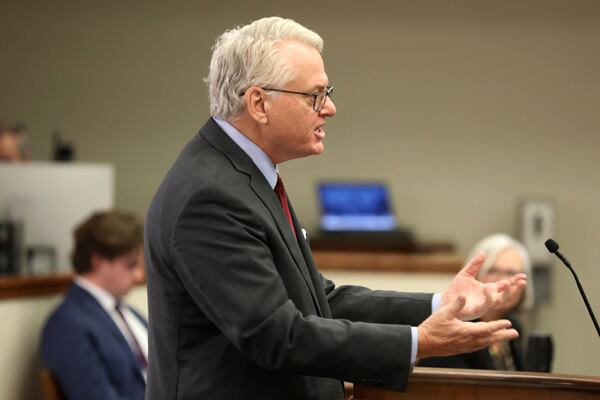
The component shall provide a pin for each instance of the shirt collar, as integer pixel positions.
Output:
(106, 300)
(258, 156)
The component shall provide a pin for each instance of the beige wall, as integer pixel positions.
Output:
(464, 107)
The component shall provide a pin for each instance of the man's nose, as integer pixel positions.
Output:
(139, 275)
(328, 109)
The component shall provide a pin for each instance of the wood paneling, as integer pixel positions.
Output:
(21, 286)
(387, 261)
(441, 383)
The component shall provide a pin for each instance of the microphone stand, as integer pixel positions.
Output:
(585, 300)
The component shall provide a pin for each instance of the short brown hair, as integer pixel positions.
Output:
(109, 234)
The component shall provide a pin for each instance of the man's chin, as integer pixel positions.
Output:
(315, 150)
(318, 149)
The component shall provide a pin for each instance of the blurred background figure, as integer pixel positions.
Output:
(94, 345)
(12, 142)
(505, 257)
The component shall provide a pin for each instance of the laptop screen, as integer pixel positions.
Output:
(355, 207)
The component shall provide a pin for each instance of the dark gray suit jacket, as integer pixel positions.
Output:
(237, 308)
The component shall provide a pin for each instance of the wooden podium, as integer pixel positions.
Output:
(450, 384)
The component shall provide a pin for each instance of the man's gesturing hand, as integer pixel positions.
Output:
(443, 334)
(480, 297)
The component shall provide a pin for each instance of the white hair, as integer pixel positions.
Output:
(493, 246)
(250, 56)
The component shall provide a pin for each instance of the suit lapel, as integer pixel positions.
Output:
(258, 183)
(268, 197)
(93, 308)
(319, 294)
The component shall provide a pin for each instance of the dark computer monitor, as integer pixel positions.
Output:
(355, 207)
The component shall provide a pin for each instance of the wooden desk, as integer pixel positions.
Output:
(450, 384)
(27, 286)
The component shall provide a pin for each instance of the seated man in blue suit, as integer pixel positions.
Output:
(96, 346)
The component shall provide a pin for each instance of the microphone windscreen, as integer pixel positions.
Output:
(551, 245)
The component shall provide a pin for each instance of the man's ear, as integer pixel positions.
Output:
(96, 262)
(255, 99)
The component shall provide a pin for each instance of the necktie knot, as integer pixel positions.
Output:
(279, 188)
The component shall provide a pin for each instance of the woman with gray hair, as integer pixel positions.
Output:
(505, 257)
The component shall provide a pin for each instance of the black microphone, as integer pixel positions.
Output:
(553, 247)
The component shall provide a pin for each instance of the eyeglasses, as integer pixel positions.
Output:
(319, 98)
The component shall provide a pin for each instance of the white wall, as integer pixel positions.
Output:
(50, 200)
(464, 107)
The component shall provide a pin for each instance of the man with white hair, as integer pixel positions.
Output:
(237, 307)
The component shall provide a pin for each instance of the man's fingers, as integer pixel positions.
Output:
(499, 324)
(519, 280)
(451, 309)
(474, 264)
(498, 336)
(505, 334)
(502, 285)
(489, 329)
(494, 293)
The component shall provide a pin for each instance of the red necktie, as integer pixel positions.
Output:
(280, 192)
(137, 350)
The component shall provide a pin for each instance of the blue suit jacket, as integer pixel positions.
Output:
(87, 353)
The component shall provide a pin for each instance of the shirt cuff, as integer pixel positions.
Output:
(415, 344)
(436, 302)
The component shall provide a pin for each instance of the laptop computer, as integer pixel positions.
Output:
(355, 207)
(359, 216)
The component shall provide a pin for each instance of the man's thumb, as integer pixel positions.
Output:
(455, 305)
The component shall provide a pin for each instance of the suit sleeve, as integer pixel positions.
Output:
(222, 254)
(357, 303)
(71, 355)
